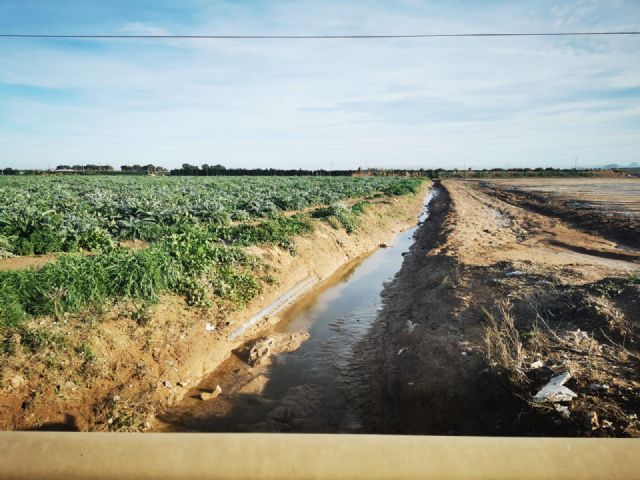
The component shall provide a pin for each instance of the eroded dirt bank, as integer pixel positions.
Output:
(131, 363)
(491, 303)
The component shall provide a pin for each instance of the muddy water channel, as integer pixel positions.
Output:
(305, 390)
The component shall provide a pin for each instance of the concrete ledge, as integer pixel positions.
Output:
(53, 455)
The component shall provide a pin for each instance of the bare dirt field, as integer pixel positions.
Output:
(494, 300)
(608, 206)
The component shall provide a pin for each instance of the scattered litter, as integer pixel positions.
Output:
(183, 383)
(536, 365)
(167, 384)
(116, 398)
(563, 411)
(211, 395)
(599, 387)
(607, 424)
(577, 337)
(591, 421)
(515, 273)
(464, 354)
(402, 350)
(208, 327)
(555, 391)
(411, 326)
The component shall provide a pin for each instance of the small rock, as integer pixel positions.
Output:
(536, 365)
(211, 395)
(208, 327)
(563, 411)
(116, 398)
(17, 381)
(384, 245)
(591, 421)
(183, 383)
(167, 384)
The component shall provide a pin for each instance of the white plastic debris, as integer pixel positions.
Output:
(208, 327)
(599, 387)
(402, 350)
(411, 326)
(555, 391)
(563, 411)
(515, 273)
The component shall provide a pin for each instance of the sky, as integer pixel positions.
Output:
(392, 103)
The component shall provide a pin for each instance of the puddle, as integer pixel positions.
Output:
(304, 390)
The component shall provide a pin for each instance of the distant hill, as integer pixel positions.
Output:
(617, 165)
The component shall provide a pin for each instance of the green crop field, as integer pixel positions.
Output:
(195, 227)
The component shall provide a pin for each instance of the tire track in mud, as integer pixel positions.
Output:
(423, 371)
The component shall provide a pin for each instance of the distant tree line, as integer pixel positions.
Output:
(144, 169)
(88, 168)
(220, 170)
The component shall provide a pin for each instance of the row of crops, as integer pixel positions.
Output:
(196, 229)
(53, 214)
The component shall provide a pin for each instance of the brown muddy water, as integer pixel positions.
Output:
(306, 390)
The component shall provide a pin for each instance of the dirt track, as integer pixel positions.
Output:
(430, 369)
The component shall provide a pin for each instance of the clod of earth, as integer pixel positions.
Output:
(555, 391)
(211, 395)
(260, 350)
(17, 381)
(591, 421)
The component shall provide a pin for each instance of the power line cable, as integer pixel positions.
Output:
(308, 37)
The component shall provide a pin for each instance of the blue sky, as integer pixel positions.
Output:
(491, 102)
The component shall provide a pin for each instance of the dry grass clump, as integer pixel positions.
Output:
(503, 342)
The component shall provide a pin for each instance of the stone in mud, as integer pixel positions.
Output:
(536, 365)
(260, 350)
(211, 395)
(591, 421)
